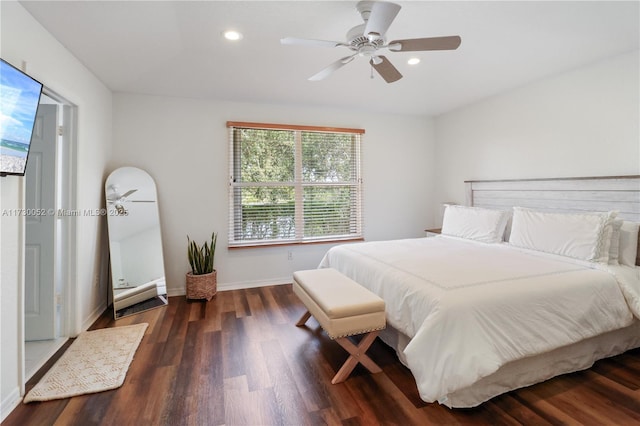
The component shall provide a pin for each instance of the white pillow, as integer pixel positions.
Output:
(604, 249)
(475, 223)
(628, 243)
(577, 235)
(614, 248)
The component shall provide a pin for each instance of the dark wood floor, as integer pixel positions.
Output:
(239, 360)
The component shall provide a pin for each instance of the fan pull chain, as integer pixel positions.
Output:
(371, 72)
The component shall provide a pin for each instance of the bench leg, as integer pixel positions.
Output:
(303, 319)
(357, 355)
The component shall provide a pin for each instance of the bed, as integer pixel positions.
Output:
(130, 296)
(473, 316)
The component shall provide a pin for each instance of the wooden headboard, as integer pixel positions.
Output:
(563, 195)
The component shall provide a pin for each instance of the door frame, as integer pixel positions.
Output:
(65, 235)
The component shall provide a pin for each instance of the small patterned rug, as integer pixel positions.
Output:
(96, 361)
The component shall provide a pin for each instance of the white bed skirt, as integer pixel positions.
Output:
(532, 370)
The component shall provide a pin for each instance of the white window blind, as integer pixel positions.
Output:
(293, 184)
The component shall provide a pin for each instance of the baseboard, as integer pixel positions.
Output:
(236, 286)
(93, 316)
(253, 284)
(9, 403)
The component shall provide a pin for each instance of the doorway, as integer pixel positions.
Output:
(49, 247)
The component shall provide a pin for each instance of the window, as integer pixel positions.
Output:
(293, 184)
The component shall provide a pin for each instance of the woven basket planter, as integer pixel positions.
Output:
(202, 286)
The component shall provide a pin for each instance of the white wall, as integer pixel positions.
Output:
(140, 263)
(182, 143)
(581, 123)
(11, 273)
(23, 39)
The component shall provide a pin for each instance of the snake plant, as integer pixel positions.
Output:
(201, 257)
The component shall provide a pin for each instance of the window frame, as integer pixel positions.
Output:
(298, 186)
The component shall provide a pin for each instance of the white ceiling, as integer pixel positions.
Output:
(175, 48)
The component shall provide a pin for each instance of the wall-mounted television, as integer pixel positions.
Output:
(19, 100)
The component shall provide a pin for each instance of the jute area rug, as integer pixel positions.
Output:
(96, 361)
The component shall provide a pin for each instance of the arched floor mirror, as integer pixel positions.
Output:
(135, 242)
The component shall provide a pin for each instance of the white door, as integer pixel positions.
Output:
(39, 305)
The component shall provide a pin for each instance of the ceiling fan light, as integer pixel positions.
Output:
(376, 60)
(413, 61)
(232, 35)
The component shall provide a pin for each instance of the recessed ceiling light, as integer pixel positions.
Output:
(232, 35)
(413, 61)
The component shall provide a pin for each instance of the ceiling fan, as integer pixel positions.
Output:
(368, 38)
(114, 196)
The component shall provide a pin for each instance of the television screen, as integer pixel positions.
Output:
(19, 99)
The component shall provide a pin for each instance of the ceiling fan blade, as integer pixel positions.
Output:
(331, 68)
(381, 17)
(310, 42)
(126, 194)
(428, 43)
(386, 69)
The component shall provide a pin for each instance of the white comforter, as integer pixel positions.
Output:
(470, 307)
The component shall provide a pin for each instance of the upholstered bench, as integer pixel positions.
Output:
(343, 308)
